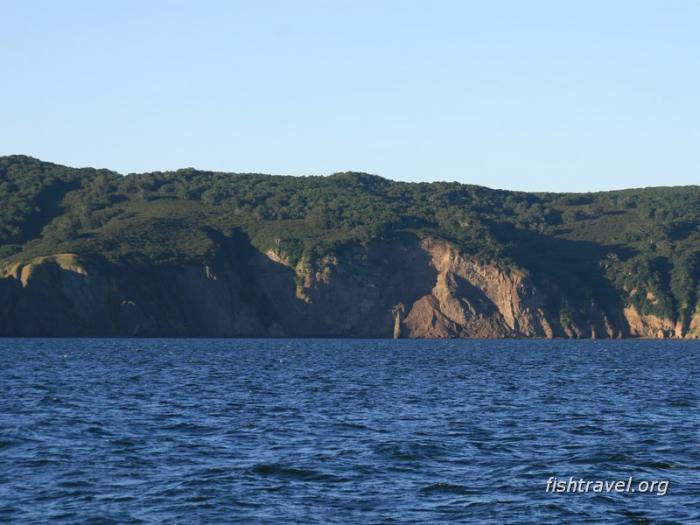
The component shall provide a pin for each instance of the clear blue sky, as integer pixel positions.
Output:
(532, 95)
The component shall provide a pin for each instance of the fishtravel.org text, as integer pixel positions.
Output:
(629, 485)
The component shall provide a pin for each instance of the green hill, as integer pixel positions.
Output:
(605, 251)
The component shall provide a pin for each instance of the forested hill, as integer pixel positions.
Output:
(605, 251)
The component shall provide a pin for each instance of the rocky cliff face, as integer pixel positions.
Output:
(470, 299)
(403, 288)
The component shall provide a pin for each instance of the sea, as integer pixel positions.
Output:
(281, 431)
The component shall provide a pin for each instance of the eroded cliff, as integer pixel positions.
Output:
(408, 287)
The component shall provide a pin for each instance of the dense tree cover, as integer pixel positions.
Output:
(644, 241)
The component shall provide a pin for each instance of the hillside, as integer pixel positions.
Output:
(194, 253)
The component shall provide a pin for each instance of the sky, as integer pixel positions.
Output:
(537, 95)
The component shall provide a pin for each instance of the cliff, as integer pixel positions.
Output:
(87, 252)
(412, 287)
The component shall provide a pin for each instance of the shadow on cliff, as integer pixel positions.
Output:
(56, 302)
(350, 294)
(570, 271)
(263, 290)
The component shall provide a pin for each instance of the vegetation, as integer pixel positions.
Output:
(643, 244)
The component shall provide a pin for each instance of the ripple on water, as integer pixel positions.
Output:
(450, 488)
(293, 473)
(344, 432)
(409, 451)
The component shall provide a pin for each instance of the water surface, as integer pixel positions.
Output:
(331, 431)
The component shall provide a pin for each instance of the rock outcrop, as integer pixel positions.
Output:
(651, 325)
(471, 299)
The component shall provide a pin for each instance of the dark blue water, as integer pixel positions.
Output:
(281, 431)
